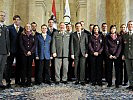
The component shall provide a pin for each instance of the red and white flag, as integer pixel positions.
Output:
(53, 16)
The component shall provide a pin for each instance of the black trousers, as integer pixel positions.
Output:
(9, 68)
(96, 68)
(52, 69)
(104, 65)
(88, 69)
(43, 73)
(110, 70)
(123, 70)
(80, 67)
(70, 70)
(36, 68)
(26, 71)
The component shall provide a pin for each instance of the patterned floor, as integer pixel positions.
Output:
(66, 92)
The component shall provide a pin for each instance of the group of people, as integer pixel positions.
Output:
(62, 54)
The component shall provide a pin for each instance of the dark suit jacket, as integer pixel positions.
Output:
(27, 43)
(43, 47)
(51, 34)
(14, 38)
(87, 32)
(96, 44)
(113, 47)
(79, 46)
(4, 40)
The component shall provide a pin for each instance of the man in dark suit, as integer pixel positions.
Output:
(34, 30)
(104, 32)
(79, 52)
(104, 29)
(51, 29)
(91, 28)
(4, 46)
(50, 32)
(70, 67)
(14, 32)
(87, 67)
(83, 29)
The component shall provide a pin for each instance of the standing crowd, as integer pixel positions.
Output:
(63, 55)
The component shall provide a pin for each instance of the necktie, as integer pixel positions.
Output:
(17, 29)
(79, 35)
(51, 30)
(130, 33)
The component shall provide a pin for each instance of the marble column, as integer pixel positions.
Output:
(82, 11)
(38, 12)
(96, 12)
(116, 12)
(21, 7)
(7, 6)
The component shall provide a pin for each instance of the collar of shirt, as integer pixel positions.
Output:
(16, 26)
(44, 34)
(130, 32)
(105, 32)
(1, 24)
(79, 33)
(69, 31)
(50, 28)
(62, 32)
(96, 35)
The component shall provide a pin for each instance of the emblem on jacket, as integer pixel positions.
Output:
(100, 40)
(118, 42)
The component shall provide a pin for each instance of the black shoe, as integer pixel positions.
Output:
(48, 82)
(99, 84)
(125, 84)
(57, 82)
(17, 82)
(77, 82)
(116, 86)
(109, 85)
(93, 84)
(64, 82)
(2, 86)
(38, 83)
(22, 85)
(130, 88)
(87, 82)
(28, 84)
(83, 83)
(8, 85)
